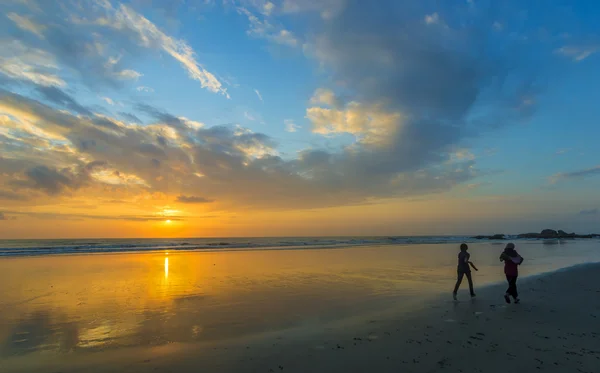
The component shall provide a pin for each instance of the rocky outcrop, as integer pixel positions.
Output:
(551, 233)
(492, 237)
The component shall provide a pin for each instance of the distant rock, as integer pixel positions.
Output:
(551, 233)
(492, 237)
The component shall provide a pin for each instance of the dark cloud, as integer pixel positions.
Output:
(589, 212)
(107, 123)
(51, 180)
(2, 217)
(95, 165)
(161, 116)
(12, 196)
(59, 97)
(130, 117)
(593, 171)
(193, 199)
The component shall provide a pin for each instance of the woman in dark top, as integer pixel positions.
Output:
(464, 270)
(512, 260)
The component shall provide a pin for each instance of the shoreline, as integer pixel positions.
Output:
(548, 331)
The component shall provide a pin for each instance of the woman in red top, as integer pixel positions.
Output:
(511, 260)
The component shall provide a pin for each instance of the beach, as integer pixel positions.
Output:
(374, 308)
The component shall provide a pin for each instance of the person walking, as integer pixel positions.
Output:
(464, 269)
(512, 260)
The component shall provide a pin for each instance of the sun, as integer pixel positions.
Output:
(168, 221)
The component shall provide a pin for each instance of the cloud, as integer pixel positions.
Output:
(59, 97)
(497, 26)
(127, 74)
(108, 100)
(193, 199)
(20, 62)
(268, 8)
(26, 24)
(8, 195)
(51, 180)
(370, 124)
(578, 53)
(2, 217)
(290, 126)
(578, 174)
(138, 218)
(432, 19)
(594, 211)
(411, 96)
(327, 9)
(259, 95)
(130, 117)
(482, 184)
(148, 35)
(85, 36)
(144, 89)
(266, 30)
(324, 96)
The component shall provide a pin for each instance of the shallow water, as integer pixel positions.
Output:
(71, 304)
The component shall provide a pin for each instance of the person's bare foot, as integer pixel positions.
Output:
(506, 298)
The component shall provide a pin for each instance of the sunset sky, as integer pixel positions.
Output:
(192, 118)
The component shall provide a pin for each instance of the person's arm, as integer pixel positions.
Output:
(502, 257)
(473, 265)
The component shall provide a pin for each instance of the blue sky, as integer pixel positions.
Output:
(275, 107)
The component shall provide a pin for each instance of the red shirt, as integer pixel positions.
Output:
(511, 268)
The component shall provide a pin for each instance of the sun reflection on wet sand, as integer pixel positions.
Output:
(167, 268)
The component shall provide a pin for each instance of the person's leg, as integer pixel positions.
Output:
(458, 281)
(512, 286)
(468, 274)
(507, 293)
(515, 290)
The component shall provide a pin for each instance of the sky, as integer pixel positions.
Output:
(216, 118)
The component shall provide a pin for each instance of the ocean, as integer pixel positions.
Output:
(85, 246)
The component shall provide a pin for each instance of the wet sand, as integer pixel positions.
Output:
(164, 322)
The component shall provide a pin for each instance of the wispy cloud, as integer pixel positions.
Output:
(18, 61)
(259, 95)
(26, 24)
(126, 74)
(593, 211)
(266, 30)
(144, 89)
(290, 126)
(578, 53)
(592, 171)
(193, 199)
(108, 100)
(150, 36)
(482, 184)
